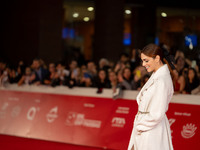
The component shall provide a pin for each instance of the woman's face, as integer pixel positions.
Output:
(102, 74)
(148, 62)
(73, 65)
(181, 61)
(191, 74)
(51, 67)
(127, 73)
(112, 76)
(28, 71)
(59, 67)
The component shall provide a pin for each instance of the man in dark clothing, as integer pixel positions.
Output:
(40, 72)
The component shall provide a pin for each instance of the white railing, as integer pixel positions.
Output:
(92, 92)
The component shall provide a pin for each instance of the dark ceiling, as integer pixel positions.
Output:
(162, 3)
(168, 3)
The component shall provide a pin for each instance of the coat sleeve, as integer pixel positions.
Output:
(157, 107)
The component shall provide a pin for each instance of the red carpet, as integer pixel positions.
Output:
(17, 143)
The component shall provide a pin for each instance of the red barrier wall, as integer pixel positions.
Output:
(97, 122)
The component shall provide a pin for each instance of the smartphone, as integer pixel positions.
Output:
(194, 63)
(138, 73)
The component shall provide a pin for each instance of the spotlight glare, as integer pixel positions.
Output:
(86, 19)
(127, 11)
(163, 14)
(75, 15)
(90, 8)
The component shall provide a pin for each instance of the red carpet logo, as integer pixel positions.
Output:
(78, 119)
(52, 115)
(3, 110)
(16, 111)
(32, 112)
(4, 107)
(70, 118)
(122, 110)
(171, 121)
(188, 130)
(118, 122)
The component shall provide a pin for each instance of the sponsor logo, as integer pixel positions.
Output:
(37, 100)
(52, 115)
(32, 112)
(188, 130)
(71, 118)
(4, 107)
(78, 119)
(3, 110)
(122, 110)
(89, 105)
(118, 122)
(15, 111)
(171, 121)
(13, 99)
(182, 114)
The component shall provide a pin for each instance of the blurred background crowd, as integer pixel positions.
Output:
(96, 43)
(125, 74)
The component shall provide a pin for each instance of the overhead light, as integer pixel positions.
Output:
(90, 8)
(191, 46)
(75, 15)
(86, 19)
(189, 40)
(163, 14)
(127, 11)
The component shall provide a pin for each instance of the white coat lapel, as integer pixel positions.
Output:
(163, 70)
(146, 86)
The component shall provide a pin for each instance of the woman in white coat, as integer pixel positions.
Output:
(151, 130)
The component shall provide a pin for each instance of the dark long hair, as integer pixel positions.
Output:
(152, 50)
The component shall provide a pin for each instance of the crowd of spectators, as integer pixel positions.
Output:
(126, 74)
